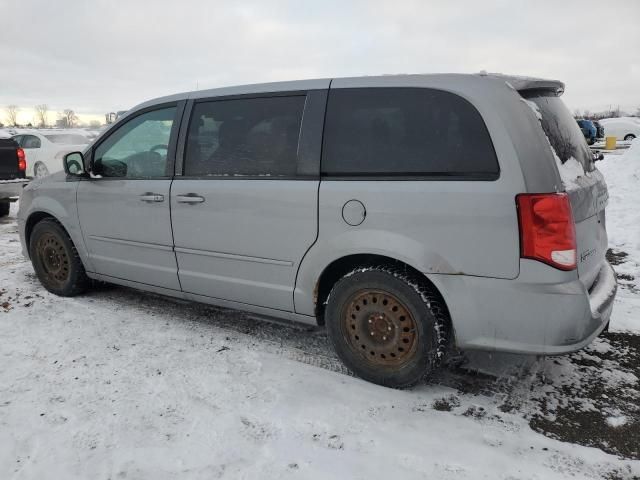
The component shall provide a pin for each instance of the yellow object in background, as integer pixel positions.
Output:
(610, 143)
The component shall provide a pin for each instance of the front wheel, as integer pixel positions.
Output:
(56, 260)
(629, 137)
(385, 326)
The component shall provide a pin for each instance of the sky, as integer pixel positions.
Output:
(100, 56)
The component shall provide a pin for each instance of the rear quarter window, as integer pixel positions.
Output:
(405, 132)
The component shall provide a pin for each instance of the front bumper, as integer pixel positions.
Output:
(11, 189)
(525, 315)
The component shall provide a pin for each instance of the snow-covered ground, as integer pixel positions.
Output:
(118, 384)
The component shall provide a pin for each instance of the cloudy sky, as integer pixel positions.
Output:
(98, 56)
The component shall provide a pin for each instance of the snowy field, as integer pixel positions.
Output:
(118, 384)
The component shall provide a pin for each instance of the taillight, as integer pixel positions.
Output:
(22, 160)
(547, 230)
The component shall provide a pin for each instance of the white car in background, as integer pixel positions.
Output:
(623, 128)
(44, 149)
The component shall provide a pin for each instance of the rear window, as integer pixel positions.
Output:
(562, 130)
(405, 131)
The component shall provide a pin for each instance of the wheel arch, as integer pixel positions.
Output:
(339, 267)
(72, 229)
(33, 219)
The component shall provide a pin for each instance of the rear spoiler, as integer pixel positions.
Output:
(528, 84)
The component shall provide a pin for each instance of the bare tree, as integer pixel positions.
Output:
(12, 115)
(42, 112)
(72, 118)
(68, 119)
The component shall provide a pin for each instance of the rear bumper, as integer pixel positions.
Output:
(11, 189)
(526, 316)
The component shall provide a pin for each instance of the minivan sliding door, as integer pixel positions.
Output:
(245, 211)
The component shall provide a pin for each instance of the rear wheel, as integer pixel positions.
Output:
(629, 137)
(56, 260)
(385, 326)
(4, 209)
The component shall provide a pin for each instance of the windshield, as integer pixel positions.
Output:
(68, 139)
(563, 132)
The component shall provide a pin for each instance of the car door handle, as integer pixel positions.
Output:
(152, 197)
(189, 198)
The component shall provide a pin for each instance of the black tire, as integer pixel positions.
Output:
(629, 137)
(380, 359)
(56, 260)
(4, 209)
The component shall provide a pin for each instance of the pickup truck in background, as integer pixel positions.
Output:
(13, 166)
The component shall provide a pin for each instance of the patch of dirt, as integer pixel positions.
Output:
(616, 258)
(591, 397)
(600, 406)
(446, 404)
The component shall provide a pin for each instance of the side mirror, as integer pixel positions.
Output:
(73, 164)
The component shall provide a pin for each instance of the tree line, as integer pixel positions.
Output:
(67, 118)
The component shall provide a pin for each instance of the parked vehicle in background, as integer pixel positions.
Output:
(599, 129)
(12, 173)
(623, 128)
(46, 148)
(588, 130)
(410, 214)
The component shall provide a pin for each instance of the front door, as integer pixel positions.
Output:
(245, 211)
(124, 208)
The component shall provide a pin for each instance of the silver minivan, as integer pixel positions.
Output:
(411, 215)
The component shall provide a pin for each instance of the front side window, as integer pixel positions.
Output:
(244, 137)
(405, 131)
(139, 148)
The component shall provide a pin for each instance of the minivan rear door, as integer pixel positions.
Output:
(583, 182)
(244, 204)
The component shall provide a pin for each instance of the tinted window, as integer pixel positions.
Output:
(244, 137)
(405, 131)
(137, 149)
(31, 141)
(564, 134)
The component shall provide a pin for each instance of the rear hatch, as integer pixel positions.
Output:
(583, 182)
(9, 160)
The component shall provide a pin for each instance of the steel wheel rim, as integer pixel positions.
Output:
(53, 258)
(380, 328)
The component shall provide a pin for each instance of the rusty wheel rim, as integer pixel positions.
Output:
(380, 328)
(53, 258)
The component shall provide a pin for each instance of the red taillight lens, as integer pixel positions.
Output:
(22, 160)
(547, 231)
